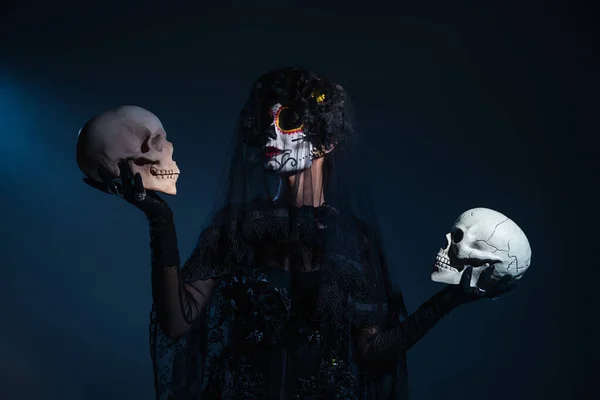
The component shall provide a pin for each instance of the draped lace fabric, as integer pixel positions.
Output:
(294, 283)
(263, 320)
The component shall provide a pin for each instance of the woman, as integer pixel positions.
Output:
(287, 293)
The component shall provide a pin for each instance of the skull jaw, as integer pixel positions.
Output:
(163, 184)
(453, 276)
(167, 186)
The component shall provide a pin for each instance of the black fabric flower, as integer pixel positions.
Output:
(334, 380)
(259, 309)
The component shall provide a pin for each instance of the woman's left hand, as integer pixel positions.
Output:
(486, 286)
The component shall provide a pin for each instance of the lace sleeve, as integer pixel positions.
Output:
(205, 262)
(178, 300)
(377, 346)
(180, 304)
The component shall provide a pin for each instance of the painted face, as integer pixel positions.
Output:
(288, 149)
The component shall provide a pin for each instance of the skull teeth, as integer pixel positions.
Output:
(164, 173)
(444, 263)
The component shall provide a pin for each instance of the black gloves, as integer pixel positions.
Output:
(486, 287)
(163, 238)
(131, 189)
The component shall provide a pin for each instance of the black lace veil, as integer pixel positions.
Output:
(258, 221)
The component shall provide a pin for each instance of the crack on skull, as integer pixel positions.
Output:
(496, 227)
(515, 260)
(496, 249)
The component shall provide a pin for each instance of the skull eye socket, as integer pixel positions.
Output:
(288, 119)
(457, 235)
(153, 142)
(157, 142)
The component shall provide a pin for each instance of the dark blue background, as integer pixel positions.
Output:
(466, 106)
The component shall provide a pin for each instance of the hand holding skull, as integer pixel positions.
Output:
(485, 255)
(131, 188)
(486, 286)
(125, 152)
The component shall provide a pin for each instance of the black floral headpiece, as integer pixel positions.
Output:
(317, 99)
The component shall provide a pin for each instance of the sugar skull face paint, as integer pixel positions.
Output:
(288, 149)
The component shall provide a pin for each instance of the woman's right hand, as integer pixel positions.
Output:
(131, 188)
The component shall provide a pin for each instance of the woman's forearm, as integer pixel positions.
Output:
(177, 304)
(378, 346)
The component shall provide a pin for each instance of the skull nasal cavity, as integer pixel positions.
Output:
(445, 244)
(457, 235)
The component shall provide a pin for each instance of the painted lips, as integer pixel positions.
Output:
(271, 152)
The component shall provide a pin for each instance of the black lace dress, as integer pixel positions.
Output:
(272, 343)
(282, 330)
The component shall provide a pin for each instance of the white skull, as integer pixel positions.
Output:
(128, 133)
(479, 238)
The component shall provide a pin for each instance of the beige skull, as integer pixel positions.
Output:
(128, 133)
